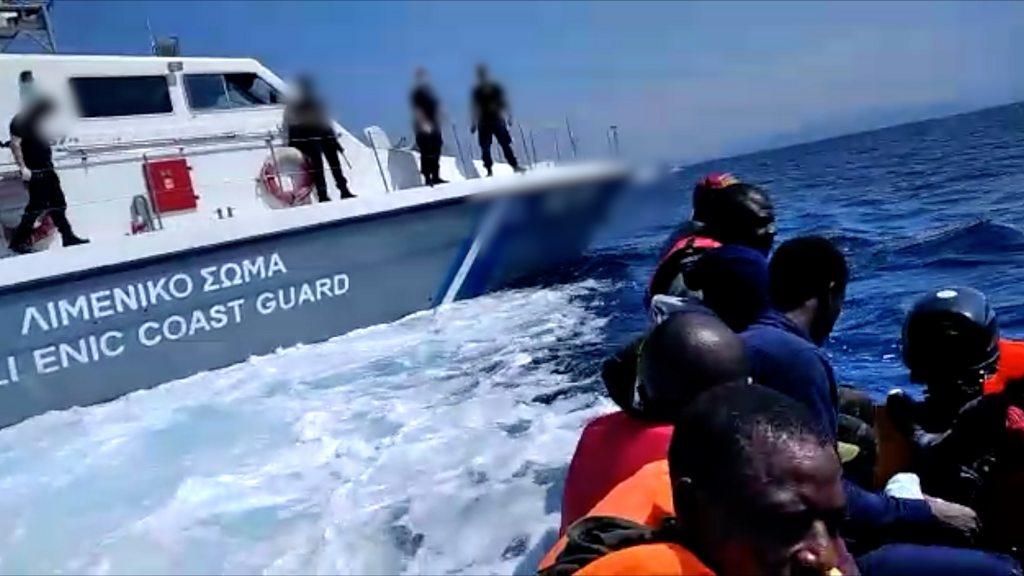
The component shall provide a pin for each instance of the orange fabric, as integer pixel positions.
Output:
(648, 559)
(895, 452)
(611, 449)
(1011, 366)
(644, 498)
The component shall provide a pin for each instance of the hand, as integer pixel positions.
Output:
(472, 128)
(26, 174)
(960, 519)
(899, 406)
(509, 121)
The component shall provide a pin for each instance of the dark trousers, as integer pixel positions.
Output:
(44, 197)
(315, 149)
(430, 144)
(495, 129)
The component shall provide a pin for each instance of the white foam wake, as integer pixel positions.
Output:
(414, 447)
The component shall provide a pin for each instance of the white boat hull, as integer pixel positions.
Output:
(89, 324)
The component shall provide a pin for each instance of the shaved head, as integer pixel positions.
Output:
(685, 355)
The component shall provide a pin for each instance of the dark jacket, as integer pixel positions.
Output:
(782, 357)
(874, 518)
(734, 282)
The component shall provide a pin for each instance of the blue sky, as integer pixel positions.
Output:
(684, 81)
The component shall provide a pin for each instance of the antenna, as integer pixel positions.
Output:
(167, 46)
(30, 18)
(152, 37)
(572, 137)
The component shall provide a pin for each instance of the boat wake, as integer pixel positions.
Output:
(428, 445)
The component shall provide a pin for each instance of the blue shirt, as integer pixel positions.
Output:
(783, 358)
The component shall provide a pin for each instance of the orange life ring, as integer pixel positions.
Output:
(285, 176)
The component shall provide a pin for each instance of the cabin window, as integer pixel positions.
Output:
(229, 91)
(105, 97)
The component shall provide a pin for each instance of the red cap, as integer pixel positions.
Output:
(717, 180)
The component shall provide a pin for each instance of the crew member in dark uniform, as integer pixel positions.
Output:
(426, 114)
(34, 157)
(310, 132)
(491, 119)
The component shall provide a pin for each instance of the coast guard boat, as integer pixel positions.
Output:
(206, 248)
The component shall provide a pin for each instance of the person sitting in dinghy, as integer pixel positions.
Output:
(807, 287)
(751, 486)
(725, 212)
(732, 219)
(690, 352)
(966, 439)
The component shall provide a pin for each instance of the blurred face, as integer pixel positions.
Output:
(789, 524)
(304, 87)
(42, 109)
(421, 76)
(481, 73)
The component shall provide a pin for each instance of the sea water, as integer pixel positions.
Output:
(438, 443)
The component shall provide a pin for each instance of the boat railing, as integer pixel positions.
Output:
(171, 142)
(144, 214)
(78, 155)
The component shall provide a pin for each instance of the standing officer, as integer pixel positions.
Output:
(491, 119)
(34, 158)
(310, 132)
(426, 114)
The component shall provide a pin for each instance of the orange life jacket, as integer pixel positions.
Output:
(612, 448)
(648, 559)
(676, 261)
(1010, 368)
(644, 498)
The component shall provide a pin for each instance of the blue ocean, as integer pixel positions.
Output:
(438, 443)
(914, 208)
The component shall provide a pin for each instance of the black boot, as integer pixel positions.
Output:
(72, 240)
(345, 193)
(21, 248)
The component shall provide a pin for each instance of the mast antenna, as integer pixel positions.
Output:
(152, 37)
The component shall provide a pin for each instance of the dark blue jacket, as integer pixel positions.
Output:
(782, 357)
(734, 281)
(873, 518)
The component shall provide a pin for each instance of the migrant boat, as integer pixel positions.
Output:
(206, 247)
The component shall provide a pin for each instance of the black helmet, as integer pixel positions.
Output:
(949, 334)
(733, 212)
